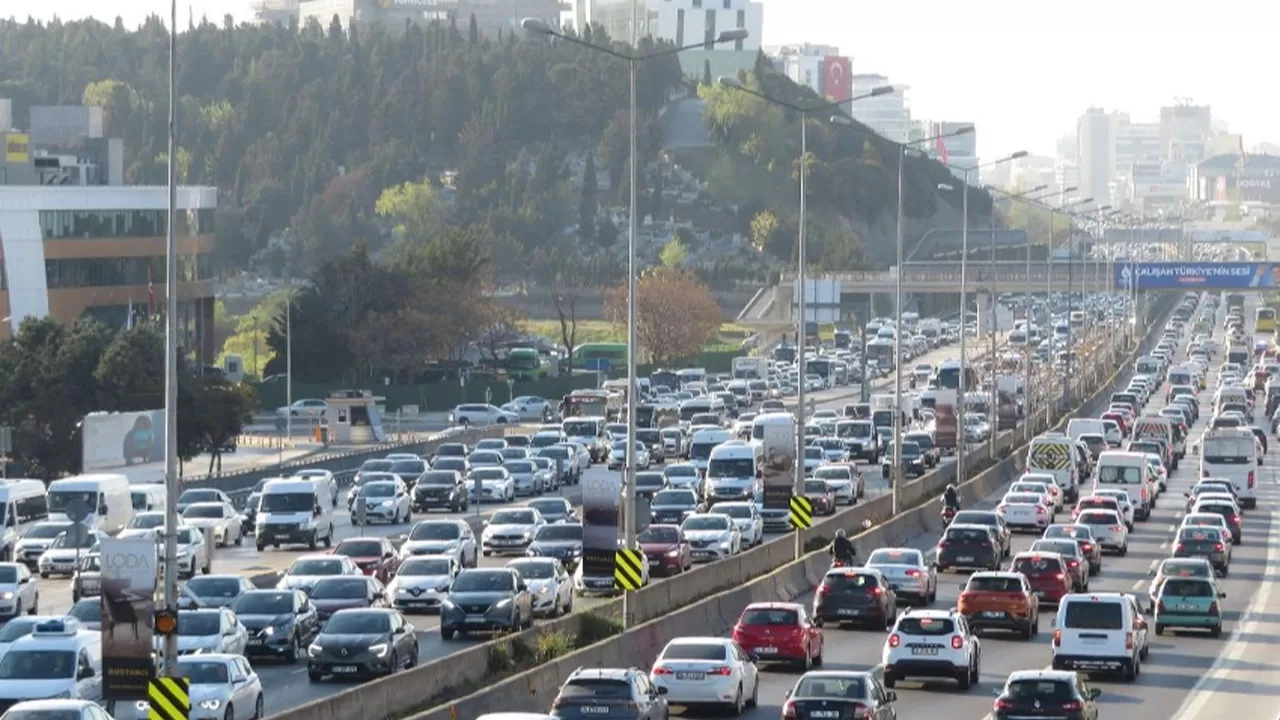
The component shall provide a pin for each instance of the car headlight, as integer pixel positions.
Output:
(387, 503)
(673, 552)
(269, 630)
(7, 595)
(314, 650)
(210, 704)
(544, 590)
(501, 604)
(379, 650)
(142, 706)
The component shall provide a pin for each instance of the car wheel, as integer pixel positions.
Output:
(230, 714)
(240, 537)
(446, 633)
(294, 651)
(314, 677)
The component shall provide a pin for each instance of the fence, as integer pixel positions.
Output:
(433, 397)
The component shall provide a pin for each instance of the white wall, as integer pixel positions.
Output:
(24, 269)
(695, 13)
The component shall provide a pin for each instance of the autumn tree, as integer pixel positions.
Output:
(676, 314)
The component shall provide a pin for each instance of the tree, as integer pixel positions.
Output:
(219, 410)
(674, 253)
(130, 374)
(501, 330)
(473, 32)
(675, 314)
(763, 227)
(706, 72)
(588, 204)
(415, 207)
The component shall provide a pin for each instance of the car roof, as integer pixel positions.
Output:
(1002, 574)
(929, 613)
(1055, 675)
(603, 673)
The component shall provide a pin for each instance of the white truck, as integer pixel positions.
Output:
(750, 368)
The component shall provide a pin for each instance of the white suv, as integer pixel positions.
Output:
(1100, 632)
(480, 414)
(932, 644)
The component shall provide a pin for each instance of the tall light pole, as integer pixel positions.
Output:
(844, 121)
(1067, 383)
(1027, 414)
(1048, 297)
(171, 359)
(633, 60)
(797, 488)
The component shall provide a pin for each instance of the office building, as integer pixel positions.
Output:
(1185, 130)
(887, 114)
(492, 16)
(820, 67)
(1095, 143)
(67, 252)
(682, 22)
(1032, 171)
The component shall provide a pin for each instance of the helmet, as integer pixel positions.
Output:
(951, 486)
(840, 533)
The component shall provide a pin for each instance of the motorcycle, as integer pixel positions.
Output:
(948, 514)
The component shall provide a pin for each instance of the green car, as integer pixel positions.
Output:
(1189, 602)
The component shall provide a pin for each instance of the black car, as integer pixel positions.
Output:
(1056, 693)
(360, 643)
(554, 509)
(840, 694)
(450, 449)
(649, 483)
(652, 439)
(992, 520)
(913, 460)
(615, 693)
(486, 600)
(409, 470)
(968, 546)
(251, 505)
(281, 623)
(856, 595)
(562, 541)
(671, 507)
(440, 490)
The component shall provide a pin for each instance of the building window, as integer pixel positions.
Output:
(697, 4)
(118, 272)
(710, 37)
(680, 27)
(90, 224)
(727, 4)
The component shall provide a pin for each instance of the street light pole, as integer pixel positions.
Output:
(171, 360)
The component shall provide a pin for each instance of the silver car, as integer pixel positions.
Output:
(909, 574)
(1108, 529)
(525, 475)
(549, 583)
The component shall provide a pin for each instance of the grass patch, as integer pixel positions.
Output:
(593, 628)
(551, 645)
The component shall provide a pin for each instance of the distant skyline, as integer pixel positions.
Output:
(1022, 72)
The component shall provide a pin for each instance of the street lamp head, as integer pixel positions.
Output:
(1037, 189)
(841, 120)
(733, 35)
(946, 186)
(537, 25)
(1019, 155)
(1065, 190)
(729, 82)
(966, 130)
(883, 90)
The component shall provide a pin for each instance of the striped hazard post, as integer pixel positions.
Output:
(168, 699)
(801, 512)
(628, 569)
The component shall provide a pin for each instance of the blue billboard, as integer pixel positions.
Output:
(1198, 275)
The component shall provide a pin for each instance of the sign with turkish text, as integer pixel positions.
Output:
(1198, 275)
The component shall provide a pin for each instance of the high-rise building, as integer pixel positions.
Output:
(1185, 130)
(959, 152)
(1095, 142)
(492, 16)
(1032, 171)
(682, 22)
(887, 114)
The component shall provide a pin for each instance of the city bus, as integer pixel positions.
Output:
(600, 356)
(1264, 320)
(526, 364)
(949, 376)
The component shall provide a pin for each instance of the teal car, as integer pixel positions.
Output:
(1189, 602)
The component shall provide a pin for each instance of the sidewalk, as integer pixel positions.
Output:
(245, 458)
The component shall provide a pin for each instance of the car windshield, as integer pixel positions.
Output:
(1112, 474)
(199, 624)
(1036, 564)
(1073, 532)
(922, 440)
(550, 506)
(681, 471)
(1173, 568)
(994, 583)
(340, 588)
(895, 557)
(358, 623)
(425, 567)
(438, 477)
(770, 616)
(489, 473)
(194, 496)
(533, 569)
(705, 522)
(17, 628)
(519, 467)
(740, 512)
(833, 473)
(656, 534)
(851, 581)
(605, 689)
(50, 530)
(484, 581)
(925, 625)
(514, 517)
(1199, 534)
(435, 531)
(560, 532)
(214, 587)
(971, 517)
(203, 511)
(292, 502)
(87, 611)
(203, 672)
(967, 535)
(816, 487)
(695, 651)
(1188, 587)
(1089, 615)
(376, 466)
(829, 686)
(1062, 547)
(674, 498)
(260, 602)
(378, 489)
(409, 467)
(451, 463)
(1048, 692)
(147, 521)
(1098, 517)
(359, 548)
(316, 567)
(37, 664)
(743, 468)
(650, 480)
(82, 541)
(1022, 499)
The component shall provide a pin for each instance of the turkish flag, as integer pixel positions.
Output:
(837, 78)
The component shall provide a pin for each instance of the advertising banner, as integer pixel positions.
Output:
(779, 440)
(128, 570)
(1198, 275)
(112, 440)
(601, 523)
(17, 148)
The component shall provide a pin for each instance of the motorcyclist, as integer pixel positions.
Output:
(842, 548)
(951, 497)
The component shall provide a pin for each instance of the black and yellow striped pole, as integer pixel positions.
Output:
(168, 698)
(628, 570)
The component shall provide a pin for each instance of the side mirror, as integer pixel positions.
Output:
(1222, 593)
(787, 694)
(1151, 572)
(484, 523)
(1053, 622)
(102, 510)
(315, 512)
(1094, 693)
(84, 673)
(662, 690)
(890, 696)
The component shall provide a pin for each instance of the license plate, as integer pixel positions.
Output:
(849, 611)
(475, 619)
(1186, 607)
(653, 563)
(344, 669)
(703, 554)
(924, 651)
(595, 710)
(966, 558)
(767, 650)
(691, 676)
(825, 714)
(992, 614)
(257, 641)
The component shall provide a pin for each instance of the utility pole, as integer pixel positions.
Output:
(171, 361)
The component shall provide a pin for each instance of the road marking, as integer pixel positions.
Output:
(1153, 564)
(1235, 647)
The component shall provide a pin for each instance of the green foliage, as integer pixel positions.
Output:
(414, 206)
(248, 336)
(594, 627)
(674, 253)
(551, 645)
(53, 375)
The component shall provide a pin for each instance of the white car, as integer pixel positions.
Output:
(442, 537)
(326, 475)
(308, 570)
(384, 501)
(422, 582)
(1026, 510)
(840, 479)
(1108, 529)
(193, 552)
(39, 537)
(496, 485)
(311, 408)
(707, 671)
(221, 517)
(814, 458)
(18, 591)
(221, 687)
(1109, 636)
(618, 451)
(932, 644)
(208, 631)
(212, 591)
(683, 476)
(549, 584)
(495, 444)
(746, 516)
(910, 575)
(144, 524)
(711, 536)
(482, 414)
(1122, 498)
(63, 556)
(511, 531)
(530, 407)
(1046, 487)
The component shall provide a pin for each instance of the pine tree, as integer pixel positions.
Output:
(706, 72)
(588, 205)
(473, 32)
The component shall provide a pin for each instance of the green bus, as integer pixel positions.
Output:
(526, 364)
(600, 356)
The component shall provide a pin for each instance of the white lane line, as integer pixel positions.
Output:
(1138, 585)
(1153, 564)
(1235, 647)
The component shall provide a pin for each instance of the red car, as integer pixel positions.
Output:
(667, 549)
(374, 555)
(1047, 573)
(780, 632)
(1120, 420)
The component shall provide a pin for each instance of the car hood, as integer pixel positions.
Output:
(479, 598)
(27, 689)
(494, 482)
(429, 547)
(508, 529)
(299, 582)
(335, 604)
(363, 640)
(658, 548)
(425, 582)
(201, 522)
(258, 622)
(556, 544)
(63, 553)
(135, 533)
(542, 585)
(706, 534)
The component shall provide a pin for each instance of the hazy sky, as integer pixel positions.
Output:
(1019, 70)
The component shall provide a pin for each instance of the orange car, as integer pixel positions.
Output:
(1000, 600)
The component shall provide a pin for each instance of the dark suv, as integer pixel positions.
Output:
(1056, 693)
(616, 693)
(440, 490)
(968, 546)
(486, 600)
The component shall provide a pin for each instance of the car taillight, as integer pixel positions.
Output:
(957, 642)
(1217, 547)
(1180, 547)
(1074, 705)
(1250, 479)
(942, 543)
(824, 589)
(1205, 474)
(1144, 493)
(1073, 563)
(1040, 510)
(1237, 519)
(1057, 638)
(723, 670)
(914, 573)
(1061, 576)
(1086, 546)
(877, 592)
(660, 670)
(1000, 508)
(1116, 528)
(1128, 641)
(894, 640)
(789, 711)
(1213, 607)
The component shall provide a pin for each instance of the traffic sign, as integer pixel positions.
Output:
(801, 512)
(78, 510)
(628, 569)
(168, 699)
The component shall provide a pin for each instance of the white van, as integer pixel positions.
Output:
(1099, 632)
(701, 445)
(60, 658)
(735, 471)
(1128, 471)
(151, 496)
(294, 511)
(1232, 454)
(23, 504)
(107, 497)
(1084, 426)
(1054, 454)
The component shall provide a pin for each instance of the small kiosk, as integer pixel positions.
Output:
(352, 418)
